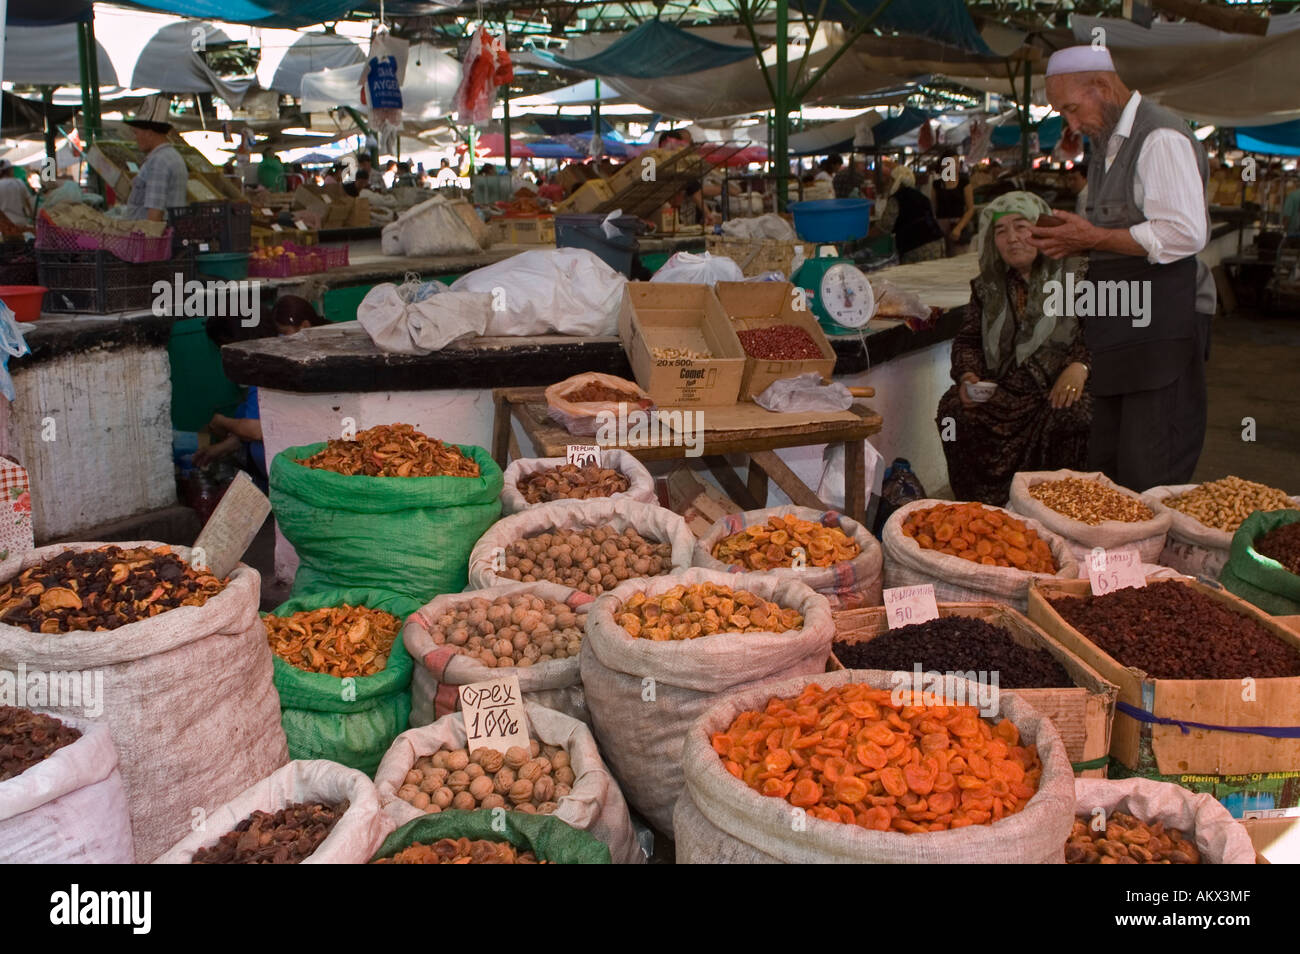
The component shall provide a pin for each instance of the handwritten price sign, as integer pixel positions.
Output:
(580, 455)
(905, 605)
(494, 715)
(1110, 570)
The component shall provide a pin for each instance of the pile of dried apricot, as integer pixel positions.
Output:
(392, 450)
(336, 640)
(703, 609)
(849, 754)
(765, 546)
(980, 534)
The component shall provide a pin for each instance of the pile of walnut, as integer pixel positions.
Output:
(462, 851)
(531, 781)
(1129, 841)
(703, 609)
(592, 559)
(520, 630)
(571, 482)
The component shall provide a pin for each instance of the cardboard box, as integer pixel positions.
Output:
(505, 230)
(574, 174)
(1276, 840)
(112, 168)
(1082, 715)
(587, 198)
(1165, 749)
(762, 305)
(689, 317)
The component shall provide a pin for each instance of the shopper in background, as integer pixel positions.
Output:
(909, 215)
(270, 171)
(446, 174)
(15, 198)
(1039, 416)
(954, 203)
(163, 178)
(827, 168)
(848, 182)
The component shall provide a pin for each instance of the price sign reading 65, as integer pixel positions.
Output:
(494, 715)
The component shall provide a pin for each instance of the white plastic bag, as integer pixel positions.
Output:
(769, 226)
(698, 269)
(805, 392)
(430, 228)
(893, 302)
(423, 326)
(830, 489)
(566, 291)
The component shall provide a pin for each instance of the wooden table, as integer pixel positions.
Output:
(758, 445)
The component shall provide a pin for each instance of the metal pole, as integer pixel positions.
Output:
(473, 146)
(595, 115)
(781, 105)
(92, 61)
(47, 100)
(505, 99)
(1025, 119)
(86, 99)
(4, 14)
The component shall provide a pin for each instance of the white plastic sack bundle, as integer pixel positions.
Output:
(353, 840)
(701, 268)
(1219, 837)
(848, 584)
(961, 581)
(594, 803)
(720, 819)
(1146, 536)
(423, 326)
(70, 808)
(187, 696)
(566, 291)
(641, 486)
(440, 671)
(644, 694)
(434, 227)
(1191, 547)
(769, 226)
(651, 521)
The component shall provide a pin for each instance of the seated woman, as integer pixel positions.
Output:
(1039, 415)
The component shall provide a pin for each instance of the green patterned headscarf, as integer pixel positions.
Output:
(1035, 325)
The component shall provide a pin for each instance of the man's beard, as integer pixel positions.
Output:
(1110, 114)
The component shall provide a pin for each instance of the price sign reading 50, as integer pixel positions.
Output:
(494, 715)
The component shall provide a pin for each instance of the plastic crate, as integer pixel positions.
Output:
(135, 247)
(101, 284)
(17, 263)
(305, 261)
(224, 226)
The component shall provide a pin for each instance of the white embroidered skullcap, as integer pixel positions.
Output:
(1080, 59)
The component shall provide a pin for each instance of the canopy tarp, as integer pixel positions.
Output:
(835, 136)
(46, 12)
(427, 92)
(1008, 134)
(272, 13)
(1280, 139)
(655, 49)
(288, 55)
(947, 21)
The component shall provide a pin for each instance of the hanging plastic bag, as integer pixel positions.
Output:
(13, 344)
(486, 66)
(381, 82)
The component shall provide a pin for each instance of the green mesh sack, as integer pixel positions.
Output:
(544, 835)
(1256, 578)
(408, 535)
(324, 717)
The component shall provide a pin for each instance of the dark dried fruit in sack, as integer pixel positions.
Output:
(1281, 544)
(957, 644)
(773, 544)
(517, 630)
(28, 738)
(1128, 840)
(392, 450)
(779, 343)
(286, 837)
(590, 559)
(461, 851)
(485, 778)
(571, 482)
(102, 589)
(703, 609)
(981, 535)
(1090, 501)
(1171, 631)
(336, 640)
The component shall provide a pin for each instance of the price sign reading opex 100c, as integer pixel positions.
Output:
(1110, 570)
(905, 605)
(580, 455)
(494, 715)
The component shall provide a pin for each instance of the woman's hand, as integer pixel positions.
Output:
(1069, 386)
(968, 378)
(955, 234)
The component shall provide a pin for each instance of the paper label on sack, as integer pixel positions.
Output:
(15, 510)
(230, 530)
(1110, 570)
(580, 455)
(905, 605)
(494, 715)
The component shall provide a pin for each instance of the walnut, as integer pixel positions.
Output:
(521, 791)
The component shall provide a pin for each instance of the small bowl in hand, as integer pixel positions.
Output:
(980, 391)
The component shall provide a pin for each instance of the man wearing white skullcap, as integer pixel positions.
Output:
(1147, 218)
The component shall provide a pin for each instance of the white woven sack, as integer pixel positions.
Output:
(1219, 837)
(353, 840)
(70, 808)
(721, 819)
(1146, 536)
(847, 585)
(187, 696)
(960, 581)
(594, 803)
(1192, 547)
(641, 486)
(555, 684)
(430, 228)
(649, 520)
(644, 694)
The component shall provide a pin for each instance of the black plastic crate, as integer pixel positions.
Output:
(18, 263)
(101, 283)
(223, 225)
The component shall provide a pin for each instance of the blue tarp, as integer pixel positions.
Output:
(652, 50)
(1279, 139)
(1049, 134)
(575, 147)
(946, 21)
(896, 126)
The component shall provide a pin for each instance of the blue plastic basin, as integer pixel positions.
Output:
(831, 220)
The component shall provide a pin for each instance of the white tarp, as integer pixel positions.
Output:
(288, 55)
(431, 80)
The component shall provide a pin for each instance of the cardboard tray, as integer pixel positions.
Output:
(752, 305)
(1082, 715)
(1210, 701)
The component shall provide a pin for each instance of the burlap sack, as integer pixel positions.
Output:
(649, 520)
(644, 694)
(353, 840)
(846, 585)
(440, 672)
(960, 581)
(187, 696)
(720, 819)
(70, 808)
(1219, 837)
(641, 486)
(594, 804)
(1192, 547)
(1146, 536)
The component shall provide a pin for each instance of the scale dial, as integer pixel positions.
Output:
(847, 296)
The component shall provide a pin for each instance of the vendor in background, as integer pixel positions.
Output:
(909, 216)
(404, 177)
(848, 182)
(827, 168)
(1076, 180)
(447, 175)
(270, 171)
(15, 198)
(1039, 416)
(162, 180)
(954, 203)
